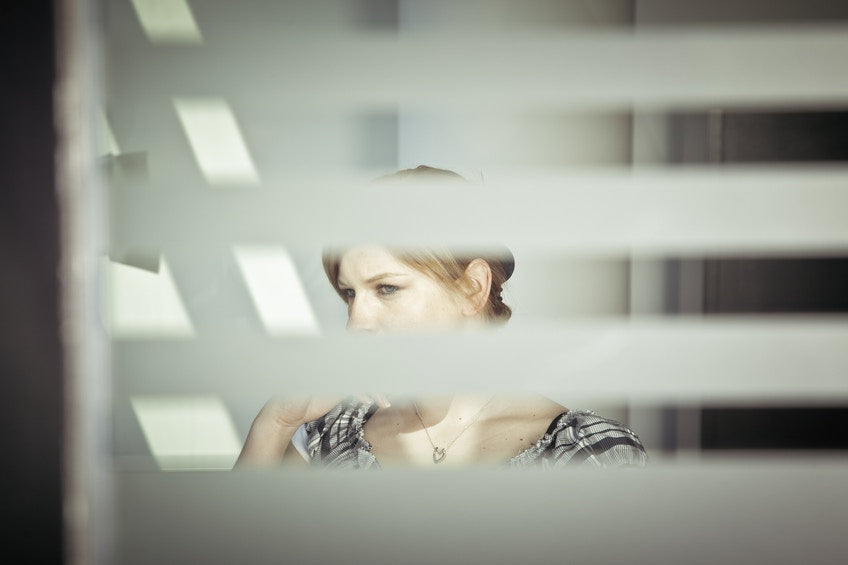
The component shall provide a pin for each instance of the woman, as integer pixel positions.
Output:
(426, 290)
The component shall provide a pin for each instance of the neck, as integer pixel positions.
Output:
(457, 408)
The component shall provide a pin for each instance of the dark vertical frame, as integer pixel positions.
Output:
(31, 356)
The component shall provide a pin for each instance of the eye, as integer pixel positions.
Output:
(387, 289)
(348, 293)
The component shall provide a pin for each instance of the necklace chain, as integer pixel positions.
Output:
(439, 453)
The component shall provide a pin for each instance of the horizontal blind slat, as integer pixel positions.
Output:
(698, 211)
(804, 64)
(678, 360)
(771, 511)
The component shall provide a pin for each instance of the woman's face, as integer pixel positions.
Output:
(386, 295)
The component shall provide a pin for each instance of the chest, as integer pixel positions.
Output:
(493, 441)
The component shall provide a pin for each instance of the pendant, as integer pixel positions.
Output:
(439, 454)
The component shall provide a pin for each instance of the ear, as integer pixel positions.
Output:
(478, 280)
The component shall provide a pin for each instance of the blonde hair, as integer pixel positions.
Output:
(444, 267)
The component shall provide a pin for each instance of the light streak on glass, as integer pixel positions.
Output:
(168, 21)
(145, 304)
(216, 141)
(276, 290)
(187, 432)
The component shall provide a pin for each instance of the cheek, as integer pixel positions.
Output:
(426, 310)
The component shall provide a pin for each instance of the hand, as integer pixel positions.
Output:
(292, 412)
(272, 430)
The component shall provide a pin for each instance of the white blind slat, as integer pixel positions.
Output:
(802, 64)
(656, 361)
(747, 210)
(771, 511)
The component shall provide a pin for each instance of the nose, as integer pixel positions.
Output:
(362, 315)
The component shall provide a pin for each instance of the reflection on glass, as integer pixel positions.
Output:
(187, 432)
(168, 22)
(216, 140)
(625, 161)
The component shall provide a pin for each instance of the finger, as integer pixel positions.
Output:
(364, 398)
(381, 400)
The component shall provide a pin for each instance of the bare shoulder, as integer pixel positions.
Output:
(532, 409)
(517, 422)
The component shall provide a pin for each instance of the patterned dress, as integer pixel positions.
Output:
(575, 437)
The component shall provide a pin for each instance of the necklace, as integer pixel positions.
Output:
(439, 453)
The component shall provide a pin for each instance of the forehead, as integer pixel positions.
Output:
(364, 262)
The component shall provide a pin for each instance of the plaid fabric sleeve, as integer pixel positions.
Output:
(588, 439)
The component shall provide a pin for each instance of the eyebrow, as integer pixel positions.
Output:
(375, 278)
